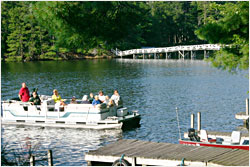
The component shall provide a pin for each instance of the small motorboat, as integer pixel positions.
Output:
(201, 138)
(79, 115)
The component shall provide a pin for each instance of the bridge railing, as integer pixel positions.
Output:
(170, 49)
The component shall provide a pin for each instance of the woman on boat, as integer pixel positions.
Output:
(116, 97)
(58, 100)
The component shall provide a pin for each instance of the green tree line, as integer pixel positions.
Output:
(40, 30)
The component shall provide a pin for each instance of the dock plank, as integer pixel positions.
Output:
(167, 153)
(232, 158)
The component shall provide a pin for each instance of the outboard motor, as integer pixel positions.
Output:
(193, 135)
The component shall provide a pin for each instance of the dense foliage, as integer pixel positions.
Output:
(39, 30)
(229, 26)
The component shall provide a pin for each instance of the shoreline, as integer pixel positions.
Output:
(18, 59)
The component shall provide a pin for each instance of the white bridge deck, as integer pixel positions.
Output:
(166, 50)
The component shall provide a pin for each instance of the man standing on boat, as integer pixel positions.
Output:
(24, 93)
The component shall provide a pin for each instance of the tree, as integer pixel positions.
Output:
(230, 26)
(89, 24)
(17, 39)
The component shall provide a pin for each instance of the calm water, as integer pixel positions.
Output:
(154, 87)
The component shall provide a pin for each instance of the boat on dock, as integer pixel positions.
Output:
(201, 138)
(79, 115)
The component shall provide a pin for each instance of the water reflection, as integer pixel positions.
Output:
(68, 145)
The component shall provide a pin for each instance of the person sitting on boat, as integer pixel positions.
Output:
(101, 96)
(73, 100)
(116, 97)
(96, 101)
(24, 93)
(58, 100)
(34, 90)
(91, 97)
(35, 100)
(106, 99)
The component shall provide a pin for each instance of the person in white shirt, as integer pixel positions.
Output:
(101, 96)
(115, 97)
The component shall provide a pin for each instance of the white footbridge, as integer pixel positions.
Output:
(184, 51)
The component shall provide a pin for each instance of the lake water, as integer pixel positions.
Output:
(154, 87)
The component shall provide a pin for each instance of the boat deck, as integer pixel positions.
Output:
(166, 154)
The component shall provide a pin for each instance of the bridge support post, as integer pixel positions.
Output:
(205, 54)
(181, 54)
(133, 56)
(143, 56)
(154, 55)
(166, 55)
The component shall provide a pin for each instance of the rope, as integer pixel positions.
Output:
(121, 158)
(182, 162)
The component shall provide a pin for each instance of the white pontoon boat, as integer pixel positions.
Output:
(80, 115)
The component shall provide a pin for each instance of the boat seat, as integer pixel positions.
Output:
(203, 135)
(235, 138)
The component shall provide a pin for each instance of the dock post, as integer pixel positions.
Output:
(247, 106)
(32, 160)
(198, 121)
(89, 163)
(133, 161)
(50, 158)
(192, 121)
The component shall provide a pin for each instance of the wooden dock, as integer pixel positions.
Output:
(166, 154)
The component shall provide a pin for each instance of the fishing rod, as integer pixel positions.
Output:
(176, 109)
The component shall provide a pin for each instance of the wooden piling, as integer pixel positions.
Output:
(247, 106)
(32, 160)
(133, 161)
(198, 121)
(89, 163)
(50, 158)
(192, 121)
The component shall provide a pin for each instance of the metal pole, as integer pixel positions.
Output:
(50, 158)
(192, 121)
(247, 106)
(32, 160)
(198, 121)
